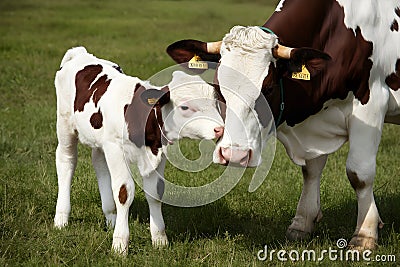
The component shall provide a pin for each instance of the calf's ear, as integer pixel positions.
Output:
(184, 50)
(152, 97)
(314, 60)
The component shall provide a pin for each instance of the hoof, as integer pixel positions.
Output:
(60, 220)
(160, 242)
(110, 220)
(362, 243)
(120, 246)
(297, 235)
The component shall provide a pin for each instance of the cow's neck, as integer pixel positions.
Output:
(297, 25)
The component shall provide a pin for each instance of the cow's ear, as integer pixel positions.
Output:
(184, 50)
(152, 97)
(314, 60)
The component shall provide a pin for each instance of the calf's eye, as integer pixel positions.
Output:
(184, 107)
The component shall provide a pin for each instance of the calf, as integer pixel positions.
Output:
(121, 119)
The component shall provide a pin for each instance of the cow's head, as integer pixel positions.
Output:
(251, 64)
(192, 111)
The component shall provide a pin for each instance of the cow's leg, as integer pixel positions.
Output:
(308, 209)
(66, 158)
(123, 189)
(153, 186)
(360, 168)
(104, 181)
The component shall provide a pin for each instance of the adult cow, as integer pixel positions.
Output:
(351, 50)
(125, 120)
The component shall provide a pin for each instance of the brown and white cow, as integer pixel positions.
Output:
(347, 55)
(125, 120)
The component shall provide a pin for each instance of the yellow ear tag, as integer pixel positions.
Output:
(196, 63)
(303, 75)
(152, 101)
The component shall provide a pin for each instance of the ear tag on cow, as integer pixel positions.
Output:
(196, 63)
(303, 75)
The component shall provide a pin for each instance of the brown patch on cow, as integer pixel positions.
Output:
(123, 194)
(355, 182)
(348, 71)
(143, 125)
(96, 120)
(184, 50)
(397, 11)
(86, 86)
(393, 80)
(394, 26)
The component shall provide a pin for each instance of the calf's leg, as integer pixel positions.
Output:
(66, 158)
(123, 189)
(153, 186)
(308, 209)
(104, 181)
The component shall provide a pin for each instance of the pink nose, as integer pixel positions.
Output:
(237, 156)
(219, 131)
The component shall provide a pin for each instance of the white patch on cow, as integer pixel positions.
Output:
(374, 18)
(246, 54)
(319, 134)
(279, 6)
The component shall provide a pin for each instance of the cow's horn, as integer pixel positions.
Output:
(214, 47)
(281, 51)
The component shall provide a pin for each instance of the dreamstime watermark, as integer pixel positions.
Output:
(196, 121)
(338, 253)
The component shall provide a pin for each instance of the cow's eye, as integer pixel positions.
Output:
(184, 107)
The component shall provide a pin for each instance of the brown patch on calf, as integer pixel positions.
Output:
(394, 26)
(143, 125)
(96, 120)
(397, 11)
(123, 194)
(99, 88)
(393, 80)
(85, 88)
(355, 182)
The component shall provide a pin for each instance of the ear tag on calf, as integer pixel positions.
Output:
(196, 63)
(303, 75)
(150, 97)
(152, 101)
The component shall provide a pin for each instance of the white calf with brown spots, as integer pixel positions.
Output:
(121, 118)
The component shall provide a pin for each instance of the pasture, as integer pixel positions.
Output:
(34, 35)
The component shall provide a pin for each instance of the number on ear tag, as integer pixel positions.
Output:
(303, 75)
(196, 63)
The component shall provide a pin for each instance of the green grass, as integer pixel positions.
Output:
(34, 36)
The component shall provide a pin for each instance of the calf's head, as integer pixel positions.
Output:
(192, 111)
(248, 72)
(186, 107)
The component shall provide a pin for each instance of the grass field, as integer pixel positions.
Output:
(34, 35)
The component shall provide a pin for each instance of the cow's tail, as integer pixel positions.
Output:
(71, 53)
